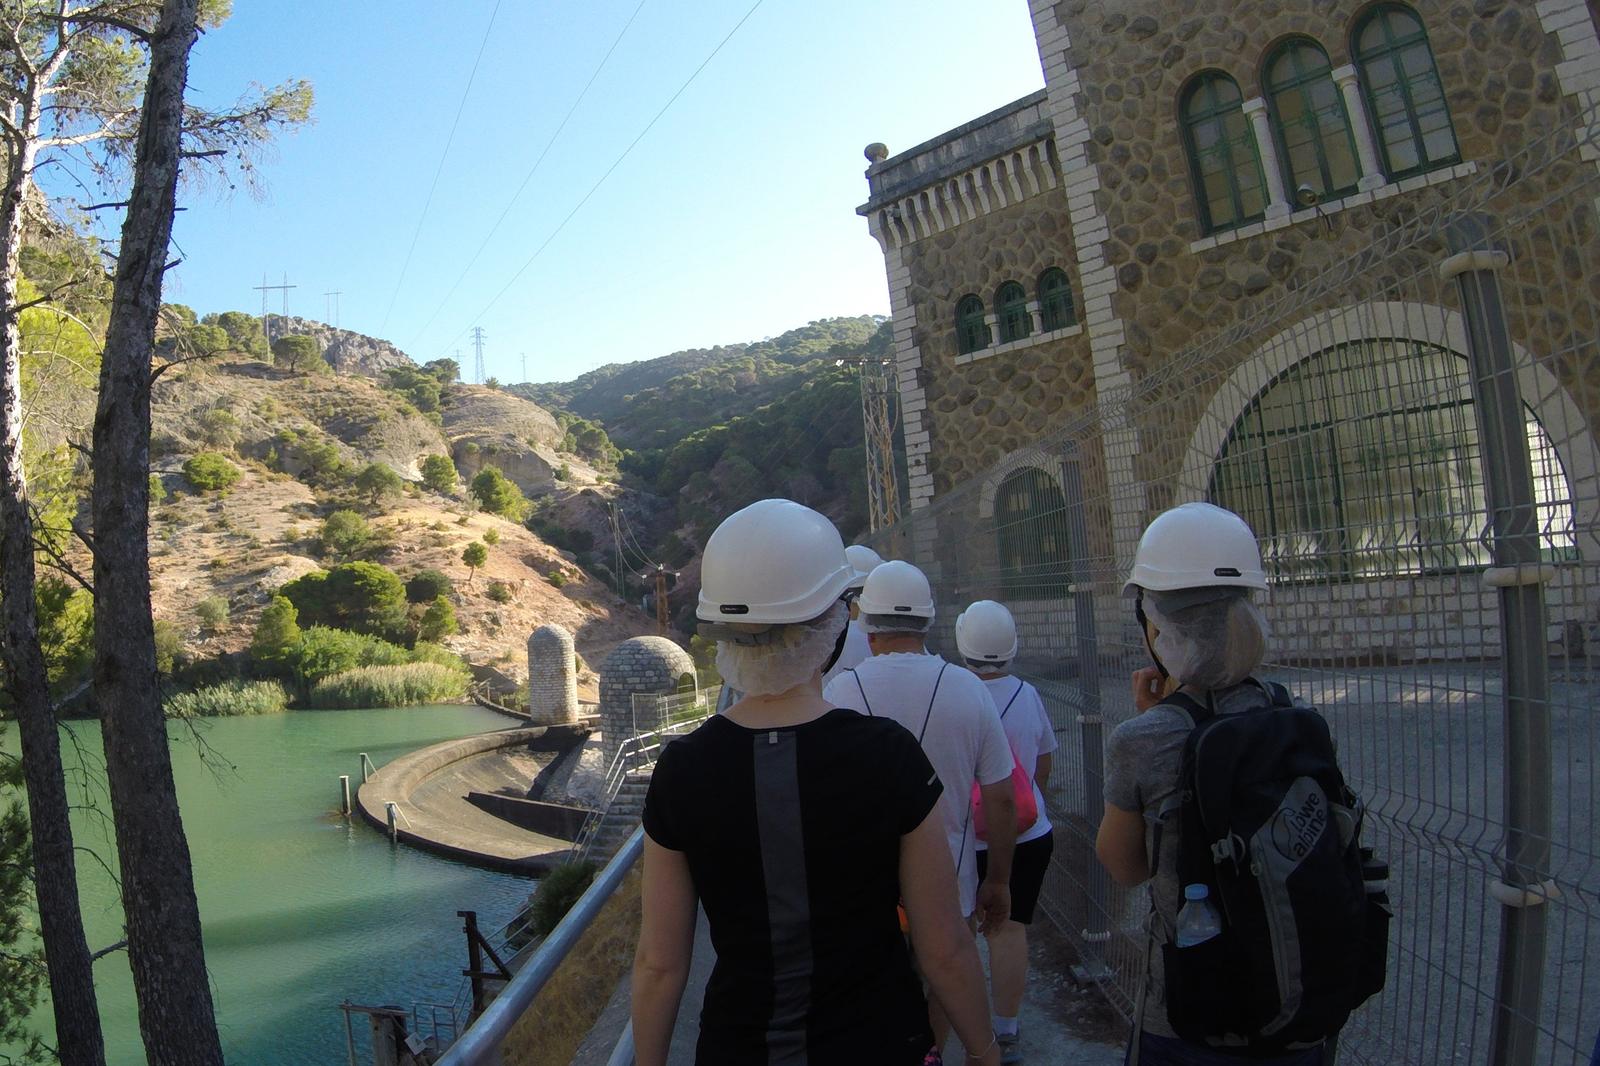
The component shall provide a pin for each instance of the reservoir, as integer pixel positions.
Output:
(302, 908)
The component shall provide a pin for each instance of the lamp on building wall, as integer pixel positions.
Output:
(1307, 197)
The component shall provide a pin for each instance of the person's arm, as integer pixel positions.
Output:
(666, 942)
(946, 950)
(1121, 848)
(1041, 773)
(1000, 814)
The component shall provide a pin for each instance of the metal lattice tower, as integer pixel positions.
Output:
(266, 330)
(878, 421)
(477, 344)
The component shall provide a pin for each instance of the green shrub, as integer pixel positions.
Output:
(499, 592)
(344, 534)
(491, 537)
(299, 353)
(213, 612)
(562, 473)
(438, 621)
(363, 597)
(439, 474)
(497, 494)
(556, 578)
(474, 555)
(324, 652)
(390, 686)
(210, 472)
(378, 483)
(439, 655)
(277, 638)
(229, 699)
(425, 586)
(169, 647)
(158, 489)
(219, 428)
(558, 890)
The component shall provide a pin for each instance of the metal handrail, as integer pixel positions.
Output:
(479, 1045)
(622, 1053)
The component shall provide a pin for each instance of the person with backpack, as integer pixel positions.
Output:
(1269, 922)
(951, 715)
(797, 827)
(986, 637)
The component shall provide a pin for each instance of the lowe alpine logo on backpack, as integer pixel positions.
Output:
(1266, 823)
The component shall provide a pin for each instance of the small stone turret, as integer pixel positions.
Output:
(642, 665)
(552, 676)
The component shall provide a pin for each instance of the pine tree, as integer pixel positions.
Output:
(277, 634)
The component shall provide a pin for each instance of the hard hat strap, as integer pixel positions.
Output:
(1144, 630)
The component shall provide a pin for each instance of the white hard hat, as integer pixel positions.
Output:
(863, 560)
(897, 588)
(1196, 545)
(774, 563)
(985, 632)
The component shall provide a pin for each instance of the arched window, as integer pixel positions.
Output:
(1310, 122)
(972, 331)
(1030, 517)
(1222, 153)
(1011, 308)
(1055, 300)
(1403, 92)
(1363, 461)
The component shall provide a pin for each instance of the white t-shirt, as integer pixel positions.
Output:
(856, 651)
(959, 729)
(1028, 728)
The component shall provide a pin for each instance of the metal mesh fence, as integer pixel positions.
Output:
(1412, 434)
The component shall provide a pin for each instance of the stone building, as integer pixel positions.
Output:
(552, 676)
(643, 667)
(1188, 167)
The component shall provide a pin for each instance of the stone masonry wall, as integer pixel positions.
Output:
(1499, 69)
(980, 411)
(639, 665)
(552, 676)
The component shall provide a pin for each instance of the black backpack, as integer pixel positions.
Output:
(1266, 823)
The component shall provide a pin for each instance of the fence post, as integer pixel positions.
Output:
(1518, 573)
(344, 794)
(1091, 720)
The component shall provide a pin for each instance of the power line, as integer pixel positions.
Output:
(634, 540)
(443, 155)
(615, 164)
(531, 172)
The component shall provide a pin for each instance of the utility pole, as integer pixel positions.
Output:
(524, 368)
(659, 575)
(477, 343)
(878, 422)
(266, 329)
(333, 305)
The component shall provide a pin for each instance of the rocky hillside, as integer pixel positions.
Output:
(346, 351)
(284, 429)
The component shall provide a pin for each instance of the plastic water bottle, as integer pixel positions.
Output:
(1198, 920)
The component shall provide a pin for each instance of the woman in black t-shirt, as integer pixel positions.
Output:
(798, 827)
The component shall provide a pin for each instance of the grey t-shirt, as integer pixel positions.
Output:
(1144, 756)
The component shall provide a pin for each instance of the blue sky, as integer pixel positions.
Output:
(733, 219)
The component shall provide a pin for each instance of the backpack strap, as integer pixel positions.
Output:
(929, 716)
(863, 689)
(1013, 699)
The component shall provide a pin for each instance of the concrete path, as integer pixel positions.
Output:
(1062, 1024)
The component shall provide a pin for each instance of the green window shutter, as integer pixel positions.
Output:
(1011, 308)
(972, 332)
(1031, 530)
(1403, 92)
(1055, 300)
(1223, 160)
(1315, 142)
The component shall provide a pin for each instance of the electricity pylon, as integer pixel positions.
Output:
(878, 421)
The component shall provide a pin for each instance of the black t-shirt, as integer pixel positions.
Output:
(793, 840)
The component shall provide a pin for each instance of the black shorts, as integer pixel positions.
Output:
(1027, 874)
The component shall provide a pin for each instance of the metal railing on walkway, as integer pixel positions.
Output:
(480, 1044)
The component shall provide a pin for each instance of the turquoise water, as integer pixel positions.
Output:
(301, 908)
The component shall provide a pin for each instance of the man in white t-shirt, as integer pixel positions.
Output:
(986, 637)
(950, 713)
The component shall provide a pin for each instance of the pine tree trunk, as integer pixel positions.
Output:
(71, 970)
(165, 948)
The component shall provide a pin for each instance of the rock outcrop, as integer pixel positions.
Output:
(346, 351)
